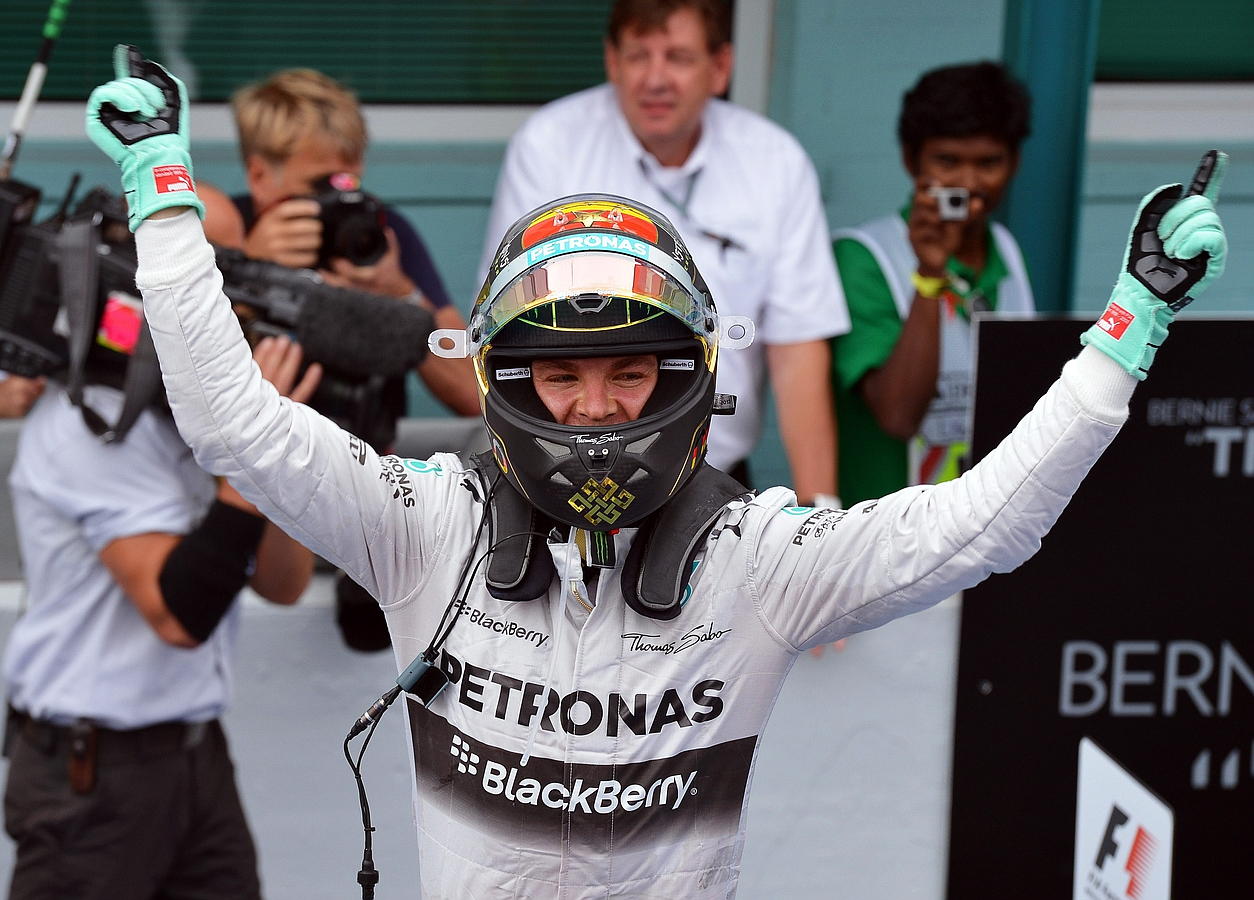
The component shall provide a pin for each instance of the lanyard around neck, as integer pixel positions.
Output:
(689, 185)
(724, 242)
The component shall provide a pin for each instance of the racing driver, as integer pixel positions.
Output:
(601, 622)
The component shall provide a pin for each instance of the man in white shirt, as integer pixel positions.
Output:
(742, 193)
(120, 780)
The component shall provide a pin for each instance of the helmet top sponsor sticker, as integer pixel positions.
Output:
(590, 213)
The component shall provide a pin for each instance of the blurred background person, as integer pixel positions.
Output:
(300, 131)
(740, 189)
(296, 128)
(120, 781)
(915, 278)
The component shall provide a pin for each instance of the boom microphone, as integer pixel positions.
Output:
(34, 84)
(364, 333)
(355, 332)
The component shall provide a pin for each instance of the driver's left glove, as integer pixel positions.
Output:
(140, 120)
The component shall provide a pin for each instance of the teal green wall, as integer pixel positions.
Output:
(839, 72)
(1117, 175)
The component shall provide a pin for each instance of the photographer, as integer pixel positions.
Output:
(599, 621)
(296, 128)
(120, 781)
(914, 279)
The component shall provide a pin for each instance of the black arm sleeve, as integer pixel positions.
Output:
(208, 567)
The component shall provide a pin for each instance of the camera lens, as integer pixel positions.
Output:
(359, 239)
(352, 222)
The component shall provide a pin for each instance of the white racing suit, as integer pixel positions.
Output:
(641, 733)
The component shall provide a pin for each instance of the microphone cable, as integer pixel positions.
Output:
(422, 678)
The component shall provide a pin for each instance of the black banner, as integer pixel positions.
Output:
(1130, 627)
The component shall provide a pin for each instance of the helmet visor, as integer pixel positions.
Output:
(586, 278)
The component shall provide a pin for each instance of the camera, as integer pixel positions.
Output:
(69, 309)
(271, 300)
(39, 264)
(354, 223)
(954, 203)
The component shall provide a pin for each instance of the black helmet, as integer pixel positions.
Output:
(595, 275)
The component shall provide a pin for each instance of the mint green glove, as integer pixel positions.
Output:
(1176, 249)
(140, 121)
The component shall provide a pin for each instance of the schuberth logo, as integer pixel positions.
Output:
(589, 797)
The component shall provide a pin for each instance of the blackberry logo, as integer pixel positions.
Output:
(467, 761)
(605, 797)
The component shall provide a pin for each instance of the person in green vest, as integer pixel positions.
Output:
(915, 279)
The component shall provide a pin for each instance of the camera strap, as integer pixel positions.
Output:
(79, 272)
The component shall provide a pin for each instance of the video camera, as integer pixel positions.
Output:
(69, 309)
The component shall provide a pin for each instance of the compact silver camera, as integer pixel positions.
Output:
(954, 203)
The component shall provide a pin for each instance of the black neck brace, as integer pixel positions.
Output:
(657, 566)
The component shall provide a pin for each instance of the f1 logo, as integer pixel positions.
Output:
(1140, 857)
(1109, 846)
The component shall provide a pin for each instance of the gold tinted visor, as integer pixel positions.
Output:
(584, 276)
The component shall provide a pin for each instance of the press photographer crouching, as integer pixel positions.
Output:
(120, 779)
(303, 143)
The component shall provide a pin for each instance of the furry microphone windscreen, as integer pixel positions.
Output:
(364, 334)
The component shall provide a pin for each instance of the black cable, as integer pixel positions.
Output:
(368, 875)
(429, 653)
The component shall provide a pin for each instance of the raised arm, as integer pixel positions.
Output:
(831, 573)
(318, 483)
